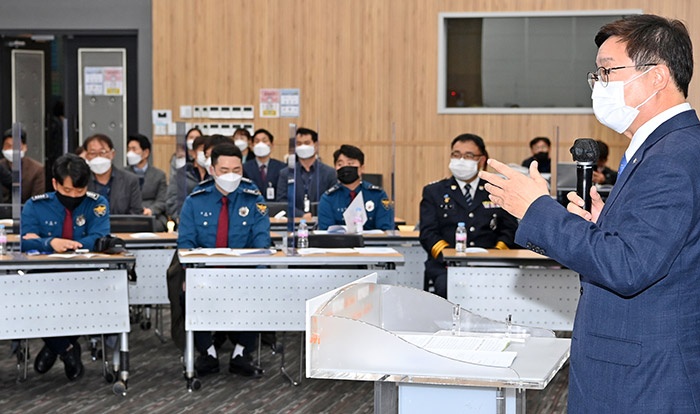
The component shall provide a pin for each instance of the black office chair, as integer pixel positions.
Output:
(126, 223)
(375, 179)
(336, 240)
(274, 207)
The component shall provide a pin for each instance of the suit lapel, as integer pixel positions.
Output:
(681, 120)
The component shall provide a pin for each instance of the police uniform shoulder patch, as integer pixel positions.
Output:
(198, 192)
(252, 191)
(40, 197)
(262, 208)
(100, 210)
(92, 195)
(386, 203)
(333, 189)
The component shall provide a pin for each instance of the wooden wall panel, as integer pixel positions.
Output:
(362, 66)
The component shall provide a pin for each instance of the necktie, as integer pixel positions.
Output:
(263, 173)
(67, 226)
(353, 193)
(468, 194)
(222, 227)
(623, 164)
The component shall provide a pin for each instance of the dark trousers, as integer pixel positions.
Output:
(435, 276)
(60, 344)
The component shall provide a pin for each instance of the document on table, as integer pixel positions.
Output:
(472, 349)
(143, 235)
(375, 250)
(228, 252)
(73, 255)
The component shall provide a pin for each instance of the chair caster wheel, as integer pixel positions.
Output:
(145, 325)
(109, 377)
(119, 388)
(193, 384)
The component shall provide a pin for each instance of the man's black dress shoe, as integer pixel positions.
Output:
(44, 360)
(72, 363)
(244, 366)
(206, 364)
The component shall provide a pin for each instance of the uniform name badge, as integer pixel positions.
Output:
(270, 195)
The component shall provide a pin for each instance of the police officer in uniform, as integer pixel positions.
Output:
(69, 218)
(349, 165)
(248, 227)
(461, 198)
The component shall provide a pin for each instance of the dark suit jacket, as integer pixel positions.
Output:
(125, 195)
(33, 179)
(252, 171)
(636, 338)
(154, 193)
(323, 177)
(443, 206)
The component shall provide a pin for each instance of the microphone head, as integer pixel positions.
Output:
(585, 150)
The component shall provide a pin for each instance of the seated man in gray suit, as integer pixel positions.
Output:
(119, 187)
(153, 183)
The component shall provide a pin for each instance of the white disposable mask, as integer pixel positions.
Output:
(609, 104)
(179, 162)
(100, 165)
(207, 163)
(261, 149)
(228, 182)
(8, 154)
(132, 158)
(305, 151)
(190, 143)
(242, 144)
(463, 169)
(201, 159)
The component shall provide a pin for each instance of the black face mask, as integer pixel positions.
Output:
(541, 157)
(70, 202)
(348, 174)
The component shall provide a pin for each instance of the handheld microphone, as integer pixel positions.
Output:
(585, 153)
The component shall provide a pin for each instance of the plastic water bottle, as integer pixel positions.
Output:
(461, 238)
(357, 220)
(302, 235)
(3, 240)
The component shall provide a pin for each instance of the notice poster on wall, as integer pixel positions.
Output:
(269, 103)
(104, 80)
(289, 103)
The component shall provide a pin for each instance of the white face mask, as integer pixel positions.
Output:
(609, 104)
(201, 159)
(8, 154)
(190, 142)
(261, 150)
(132, 158)
(100, 165)
(463, 169)
(228, 182)
(179, 162)
(207, 163)
(305, 151)
(242, 144)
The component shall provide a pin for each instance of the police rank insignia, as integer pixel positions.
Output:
(369, 206)
(243, 211)
(100, 210)
(80, 220)
(262, 208)
(446, 198)
(386, 203)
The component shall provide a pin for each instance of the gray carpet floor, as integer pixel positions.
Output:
(156, 385)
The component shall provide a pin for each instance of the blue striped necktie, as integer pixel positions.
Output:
(623, 164)
(468, 194)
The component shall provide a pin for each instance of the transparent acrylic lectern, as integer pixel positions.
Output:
(442, 357)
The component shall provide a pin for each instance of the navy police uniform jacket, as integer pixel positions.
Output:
(336, 200)
(443, 206)
(44, 214)
(249, 223)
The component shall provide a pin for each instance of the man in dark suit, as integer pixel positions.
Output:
(118, 186)
(635, 345)
(33, 179)
(152, 180)
(461, 198)
(263, 170)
